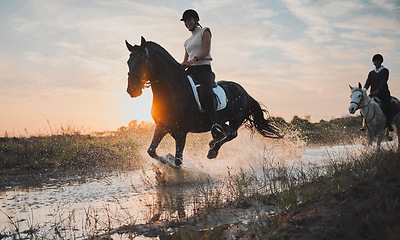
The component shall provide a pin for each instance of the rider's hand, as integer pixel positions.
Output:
(374, 93)
(189, 63)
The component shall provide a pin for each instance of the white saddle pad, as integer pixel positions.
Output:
(218, 91)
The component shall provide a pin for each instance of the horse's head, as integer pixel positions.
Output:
(358, 94)
(138, 68)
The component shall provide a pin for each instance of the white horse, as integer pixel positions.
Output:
(373, 118)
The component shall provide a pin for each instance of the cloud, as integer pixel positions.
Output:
(286, 53)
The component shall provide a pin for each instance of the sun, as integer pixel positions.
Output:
(138, 108)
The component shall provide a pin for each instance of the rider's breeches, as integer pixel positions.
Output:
(203, 74)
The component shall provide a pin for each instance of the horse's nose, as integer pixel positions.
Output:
(352, 110)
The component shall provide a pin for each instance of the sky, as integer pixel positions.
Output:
(63, 63)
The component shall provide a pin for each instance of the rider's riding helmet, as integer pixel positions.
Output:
(190, 13)
(377, 57)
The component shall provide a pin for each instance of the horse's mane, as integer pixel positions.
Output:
(161, 52)
(171, 73)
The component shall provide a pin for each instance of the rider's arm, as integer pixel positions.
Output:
(367, 82)
(185, 58)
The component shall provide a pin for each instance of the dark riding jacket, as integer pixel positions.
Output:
(377, 80)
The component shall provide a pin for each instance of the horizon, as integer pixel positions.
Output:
(64, 63)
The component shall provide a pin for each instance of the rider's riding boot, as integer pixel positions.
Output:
(362, 129)
(217, 131)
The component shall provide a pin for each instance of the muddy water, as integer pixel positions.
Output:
(84, 204)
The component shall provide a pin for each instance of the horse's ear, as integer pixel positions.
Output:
(129, 46)
(351, 88)
(143, 42)
(359, 85)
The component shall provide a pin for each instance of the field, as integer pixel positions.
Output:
(353, 198)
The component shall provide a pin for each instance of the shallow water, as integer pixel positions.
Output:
(120, 198)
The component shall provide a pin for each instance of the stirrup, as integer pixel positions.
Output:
(362, 129)
(217, 131)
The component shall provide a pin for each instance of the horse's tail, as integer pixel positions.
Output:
(256, 120)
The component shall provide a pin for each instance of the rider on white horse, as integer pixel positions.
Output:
(377, 80)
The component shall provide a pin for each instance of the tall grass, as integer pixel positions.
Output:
(69, 149)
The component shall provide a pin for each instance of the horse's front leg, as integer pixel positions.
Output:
(180, 141)
(379, 140)
(159, 133)
(369, 138)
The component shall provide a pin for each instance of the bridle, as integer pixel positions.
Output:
(362, 98)
(144, 83)
(360, 107)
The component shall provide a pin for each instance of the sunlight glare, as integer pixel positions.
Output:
(138, 108)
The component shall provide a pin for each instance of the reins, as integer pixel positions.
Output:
(361, 107)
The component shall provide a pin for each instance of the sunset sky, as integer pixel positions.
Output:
(64, 62)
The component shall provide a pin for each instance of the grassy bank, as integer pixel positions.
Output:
(75, 151)
(356, 198)
(335, 131)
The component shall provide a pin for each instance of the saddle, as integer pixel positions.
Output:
(219, 94)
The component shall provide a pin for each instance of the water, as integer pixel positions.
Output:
(85, 204)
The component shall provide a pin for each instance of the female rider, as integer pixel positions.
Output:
(198, 61)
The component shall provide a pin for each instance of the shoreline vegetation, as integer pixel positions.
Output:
(355, 198)
(69, 149)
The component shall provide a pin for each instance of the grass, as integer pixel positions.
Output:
(72, 151)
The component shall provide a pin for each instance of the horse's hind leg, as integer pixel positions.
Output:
(213, 152)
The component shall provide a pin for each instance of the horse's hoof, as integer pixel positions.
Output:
(212, 154)
(212, 143)
(178, 162)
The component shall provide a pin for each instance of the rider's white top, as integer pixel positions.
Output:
(194, 46)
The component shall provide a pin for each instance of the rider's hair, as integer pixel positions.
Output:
(377, 57)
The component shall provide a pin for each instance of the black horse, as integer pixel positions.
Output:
(174, 108)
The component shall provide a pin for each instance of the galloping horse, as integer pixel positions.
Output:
(174, 108)
(373, 117)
